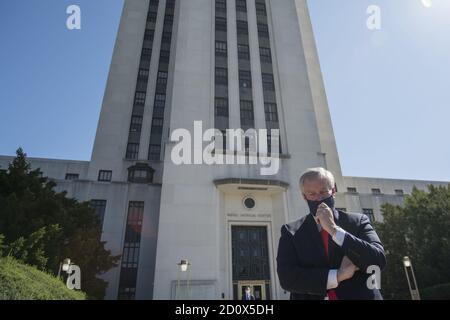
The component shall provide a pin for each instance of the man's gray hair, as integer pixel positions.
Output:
(317, 173)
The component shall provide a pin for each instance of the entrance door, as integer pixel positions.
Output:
(257, 289)
(250, 257)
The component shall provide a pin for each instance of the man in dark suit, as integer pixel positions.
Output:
(248, 294)
(329, 253)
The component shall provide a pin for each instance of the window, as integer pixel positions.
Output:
(141, 84)
(221, 5)
(221, 107)
(271, 112)
(243, 52)
(104, 175)
(136, 124)
(149, 35)
(263, 30)
(157, 125)
(399, 192)
(140, 173)
(162, 77)
(241, 5)
(72, 176)
(132, 151)
(376, 191)
(261, 8)
(249, 203)
(168, 19)
(151, 17)
(99, 207)
(168, 28)
(352, 190)
(222, 76)
(160, 101)
(269, 143)
(245, 79)
(161, 82)
(242, 27)
(139, 98)
(247, 116)
(268, 83)
(165, 46)
(164, 56)
(167, 36)
(146, 54)
(266, 55)
(221, 48)
(158, 112)
(154, 152)
(131, 248)
(143, 73)
(369, 213)
(221, 24)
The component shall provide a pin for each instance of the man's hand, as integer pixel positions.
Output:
(325, 217)
(347, 270)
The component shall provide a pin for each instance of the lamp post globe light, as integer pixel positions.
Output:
(411, 278)
(183, 266)
(64, 266)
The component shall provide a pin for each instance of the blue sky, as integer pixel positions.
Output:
(387, 90)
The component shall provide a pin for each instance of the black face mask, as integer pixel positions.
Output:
(313, 205)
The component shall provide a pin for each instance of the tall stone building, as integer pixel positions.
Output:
(229, 64)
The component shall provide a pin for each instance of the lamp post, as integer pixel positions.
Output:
(411, 278)
(183, 267)
(64, 266)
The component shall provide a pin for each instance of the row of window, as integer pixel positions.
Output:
(157, 124)
(221, 24)
(140, 173)
(132, 151)
(245, 76)
(245, 80)
(270, 107)
(368, 212)
(221, 5)
(376, 191)
(221, 109)
(221, 49)
(131, 247)
(241, 6)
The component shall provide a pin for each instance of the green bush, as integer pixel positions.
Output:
(438, 292)
(23, 282)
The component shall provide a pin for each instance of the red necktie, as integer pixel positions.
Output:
(331, 293)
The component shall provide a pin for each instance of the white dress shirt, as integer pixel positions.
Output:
(338, 238)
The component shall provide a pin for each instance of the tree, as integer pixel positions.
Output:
(421, 230)
(42, 227)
